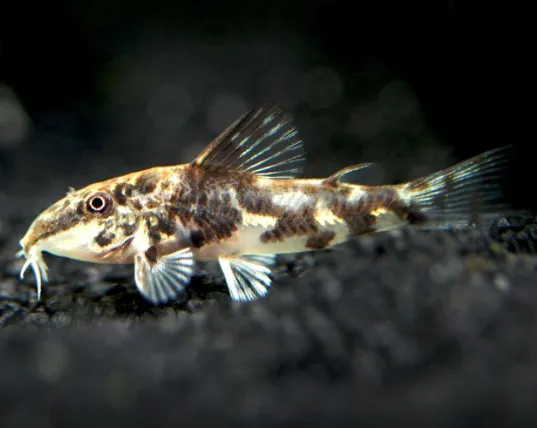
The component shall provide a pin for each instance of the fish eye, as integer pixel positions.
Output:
(98, 203)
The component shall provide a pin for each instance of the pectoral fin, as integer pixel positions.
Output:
(162, 278)
(247, 277)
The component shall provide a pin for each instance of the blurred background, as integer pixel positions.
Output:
(90, 90)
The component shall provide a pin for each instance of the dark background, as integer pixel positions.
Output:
(109, 87)
(434, 328)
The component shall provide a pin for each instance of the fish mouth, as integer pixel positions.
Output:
(119, 250)
(34, 259)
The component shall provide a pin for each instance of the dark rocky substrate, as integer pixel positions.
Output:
(438, 329)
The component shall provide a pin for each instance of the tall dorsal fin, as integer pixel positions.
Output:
(263, 142)
(336, 177)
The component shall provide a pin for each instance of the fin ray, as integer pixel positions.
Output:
(469, 192)
(263, 142)
(247, 277)
(161, 279)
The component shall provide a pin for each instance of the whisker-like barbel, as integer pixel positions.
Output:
(39, 269)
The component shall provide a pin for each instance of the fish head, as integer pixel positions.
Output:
(93, 224)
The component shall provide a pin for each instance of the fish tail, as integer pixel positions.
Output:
(470, 193)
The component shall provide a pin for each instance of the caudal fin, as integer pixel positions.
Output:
(469, 193)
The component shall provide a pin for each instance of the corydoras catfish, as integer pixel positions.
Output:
(241, 202)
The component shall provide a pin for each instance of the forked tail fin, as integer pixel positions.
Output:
(469, 193)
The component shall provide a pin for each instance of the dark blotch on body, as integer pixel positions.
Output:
(197, 238)
(291, 223)
(136, 204)
(128, 228)
(209, 228)
(129, 188)
(104, 238)
(120, 197)
(80, 211)
(320, 240)
(146, 183)
(151, 254)
(259, 202)
(358, 215)
(389, 199)
(166, 226)
(162, 226)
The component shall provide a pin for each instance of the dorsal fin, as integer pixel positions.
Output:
(336, 177)
(263, 142)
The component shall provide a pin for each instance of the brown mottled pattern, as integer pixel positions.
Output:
(359, 215)
(203, 204)
(292, 223)
(258, 202)
(214, 218)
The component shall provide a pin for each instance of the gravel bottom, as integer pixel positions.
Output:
(413, 327)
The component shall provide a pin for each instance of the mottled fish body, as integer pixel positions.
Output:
(240, 202)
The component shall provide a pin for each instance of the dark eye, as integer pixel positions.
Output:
(99, 203)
